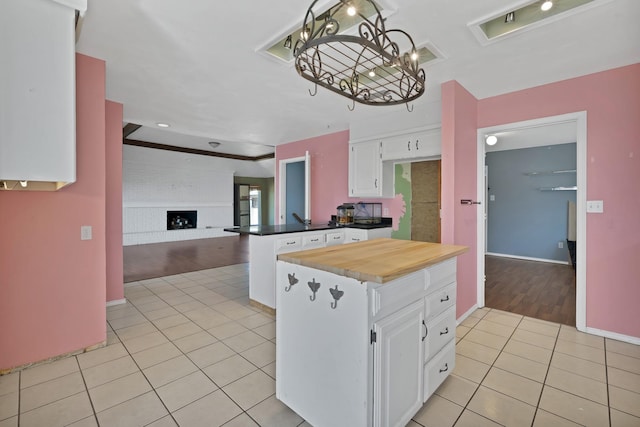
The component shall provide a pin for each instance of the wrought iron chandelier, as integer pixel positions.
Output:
(366, 64)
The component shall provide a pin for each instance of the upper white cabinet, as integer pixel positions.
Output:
(364, 169)
(424, 143)
(371, 162)
(37, 82)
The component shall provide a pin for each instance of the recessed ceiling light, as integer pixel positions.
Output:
(214, 144)
(351, 10)
(372, 73)
(546, 5)
(491, 140)
(163, 125)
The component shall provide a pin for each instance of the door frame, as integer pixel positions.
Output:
(282, 187)
(580, 120)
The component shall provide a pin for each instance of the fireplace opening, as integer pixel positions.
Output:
(178, 220)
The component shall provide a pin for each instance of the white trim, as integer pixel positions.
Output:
(527, 258)
(282, 186)
(613, 335)
(580, 118)
(116, 302)
(466, 314)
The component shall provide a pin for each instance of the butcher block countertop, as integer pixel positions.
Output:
(377, 260)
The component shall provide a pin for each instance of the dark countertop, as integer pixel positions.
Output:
(268, 230)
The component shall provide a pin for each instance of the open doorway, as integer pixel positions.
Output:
(577, 122)
(530, 190)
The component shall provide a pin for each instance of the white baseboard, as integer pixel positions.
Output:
(116, 302)
(613, 335)
(466, 314)
(526, 258)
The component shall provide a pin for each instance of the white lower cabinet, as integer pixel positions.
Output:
(361, 354)
(263, 251)
(397, 388)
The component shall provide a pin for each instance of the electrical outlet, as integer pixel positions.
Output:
(560, 244)
(85, 232)
(595, 206)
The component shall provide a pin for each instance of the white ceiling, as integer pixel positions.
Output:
(194, 64)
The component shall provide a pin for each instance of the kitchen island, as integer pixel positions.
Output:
(365, 332)
(267, 241)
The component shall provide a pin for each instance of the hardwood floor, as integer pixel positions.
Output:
(536, 289)
(165, 259)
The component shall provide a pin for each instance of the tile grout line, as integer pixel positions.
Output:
(544, 381)
(86, 388)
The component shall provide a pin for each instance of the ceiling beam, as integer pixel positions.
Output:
(174, 148)
(129, 128)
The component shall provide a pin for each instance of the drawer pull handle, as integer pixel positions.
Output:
(426, 330)
(314, 286)
(446, 331)
(292, 281)
(336, 294)
(446, 368)
(291, 243)
(445, 299)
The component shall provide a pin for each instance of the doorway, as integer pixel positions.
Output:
(579, 121)
(295, 190)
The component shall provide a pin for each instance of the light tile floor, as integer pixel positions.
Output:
(188, 350)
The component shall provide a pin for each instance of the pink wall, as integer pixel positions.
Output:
(329, 175)
(52, 284)
(113, 157)
(612, 101)
(459, 169)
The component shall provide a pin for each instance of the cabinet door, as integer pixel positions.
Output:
(398, 366)
(364, 169)
(397, 147)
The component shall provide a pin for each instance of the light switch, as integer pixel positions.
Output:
(492, 197)
(595, 206)
(85, 232)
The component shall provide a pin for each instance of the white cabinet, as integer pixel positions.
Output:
(419, 144)
(362, 354)
(263, 251)
(371, 163)
(397, 389)
(38, 86)
(365, 179)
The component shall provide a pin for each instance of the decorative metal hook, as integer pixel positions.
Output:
(353, 107)
(336, 294)
(315, 91)
(409, 110)
(292, 281)
(314, 286)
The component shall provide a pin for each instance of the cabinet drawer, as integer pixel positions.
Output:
(355, 235)
(442, 274)
(437, 369)
(440, 331)
(288, 244)
(335, 238)
(440, 300)
(315, 240)
(396, 294)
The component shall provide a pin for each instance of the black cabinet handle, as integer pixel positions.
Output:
(446, 368)
(426, 330)
(446, 331)
(444, 299)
